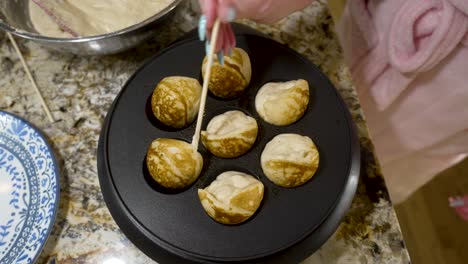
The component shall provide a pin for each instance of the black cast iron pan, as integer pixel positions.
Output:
(172, 227)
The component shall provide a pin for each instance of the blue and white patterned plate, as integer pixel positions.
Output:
(29, 190)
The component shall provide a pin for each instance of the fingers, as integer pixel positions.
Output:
(209, 9)
(227, 39)
(225, 43)
(220, 41)
(220, 46)
(202, 28)
(232, 39)
(212, 9)
(226, 11)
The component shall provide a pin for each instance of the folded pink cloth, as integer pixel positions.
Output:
(409, 62)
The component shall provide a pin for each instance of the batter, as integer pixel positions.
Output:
(91, 17)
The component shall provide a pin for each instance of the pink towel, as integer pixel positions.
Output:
(409, 61)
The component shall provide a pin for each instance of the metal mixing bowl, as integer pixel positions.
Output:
(14, 18)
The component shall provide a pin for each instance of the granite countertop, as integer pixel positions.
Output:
(80, 90)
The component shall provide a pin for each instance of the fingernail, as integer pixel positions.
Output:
(230, 52)
(231, 14)
(202, 28)
(221, 58)
(207, 47)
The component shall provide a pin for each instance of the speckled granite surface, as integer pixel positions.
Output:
(80, 90)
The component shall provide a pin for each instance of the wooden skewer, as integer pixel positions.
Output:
(206, 80)
(33, 82)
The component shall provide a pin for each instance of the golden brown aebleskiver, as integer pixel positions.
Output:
(230, 135)
(173, 163)
(176, 100)
(290, 160)
(230, 80)
(232, 198)
(282, 103)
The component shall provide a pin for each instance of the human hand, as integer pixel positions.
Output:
(263, 11)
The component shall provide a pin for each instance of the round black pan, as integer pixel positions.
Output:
(172, 226)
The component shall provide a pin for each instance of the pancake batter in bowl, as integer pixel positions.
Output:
(91, 17)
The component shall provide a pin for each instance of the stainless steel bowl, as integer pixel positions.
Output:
(14, 18)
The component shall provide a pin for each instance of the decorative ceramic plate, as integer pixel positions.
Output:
(29, 190)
